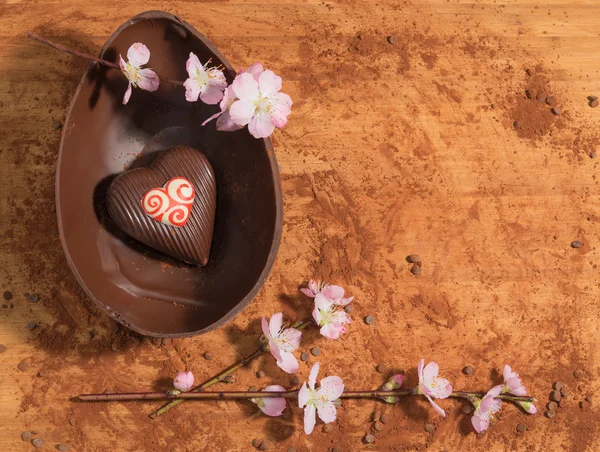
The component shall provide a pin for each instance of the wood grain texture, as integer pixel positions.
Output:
(391, 150)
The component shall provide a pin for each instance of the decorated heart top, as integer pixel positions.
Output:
(171, 204)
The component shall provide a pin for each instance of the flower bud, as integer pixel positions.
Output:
(529, 407)
(184, 381)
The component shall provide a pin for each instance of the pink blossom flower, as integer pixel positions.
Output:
(271, 407)
(320, 401)
(259, 104)
(431, 385)
(224, 121)
(146, 79)
(529, 407)
(206, 83)
(335, 294)
(282, 342)
(330, 317)
(314, 288)
(184, 381)
(486, 408)
(512, 382)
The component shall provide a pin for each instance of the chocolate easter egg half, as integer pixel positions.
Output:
(144, 289)
(141, 204)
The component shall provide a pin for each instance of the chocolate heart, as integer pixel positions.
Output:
(189, 242)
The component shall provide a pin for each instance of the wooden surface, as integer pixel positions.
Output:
(391, 149)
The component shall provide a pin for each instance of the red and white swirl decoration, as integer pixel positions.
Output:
(172, 204)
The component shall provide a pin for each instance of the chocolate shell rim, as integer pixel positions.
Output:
(156, 14)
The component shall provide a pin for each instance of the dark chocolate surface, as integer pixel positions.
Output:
(143, 289)
(189, 243)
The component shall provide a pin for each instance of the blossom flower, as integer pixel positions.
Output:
(224, 121)
(314, 288)
(431, 385)
(271, 407)
(486, 408)
(259, 103)
(512, 382)
(320, 401)
(529, 407)
(206, 83)
(146, 79)
(330, 317)
(184, 381)
(282, 342)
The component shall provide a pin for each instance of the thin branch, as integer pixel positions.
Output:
(176, 396)
(87, 56)
(220, 376)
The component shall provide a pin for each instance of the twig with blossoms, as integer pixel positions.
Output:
(253, 99)
(323, 401)
(280, 341)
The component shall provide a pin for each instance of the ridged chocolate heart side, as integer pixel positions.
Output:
(189, 243)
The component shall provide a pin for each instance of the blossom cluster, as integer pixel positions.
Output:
(253, 99)
(322, 401)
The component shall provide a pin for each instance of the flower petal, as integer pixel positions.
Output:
(261, 126)
(440, 389)
(122, 63)
(192, 90)
(288, 363)
(431, 371)
(480, 423)
(245, 87)
(332, 331)
(507, 372)
(332, 387)
(273, 407)
(312, 376)
(226, 124)
(275, 324)
(334, 293)
(149, 80)
(265, 327)
(275, 351)
(317, 315)
(303, 395)
(327, 412)
(242, 112)
(436, 406)
(322, 302)
(193, 65)
(269, 83)
(138, 54)
(127, 94)
(291, 337)
(184, 381)
(495, 391)
(211, 95)
(420, 369)
(307, 292)
(310, 419)
(255, 70)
